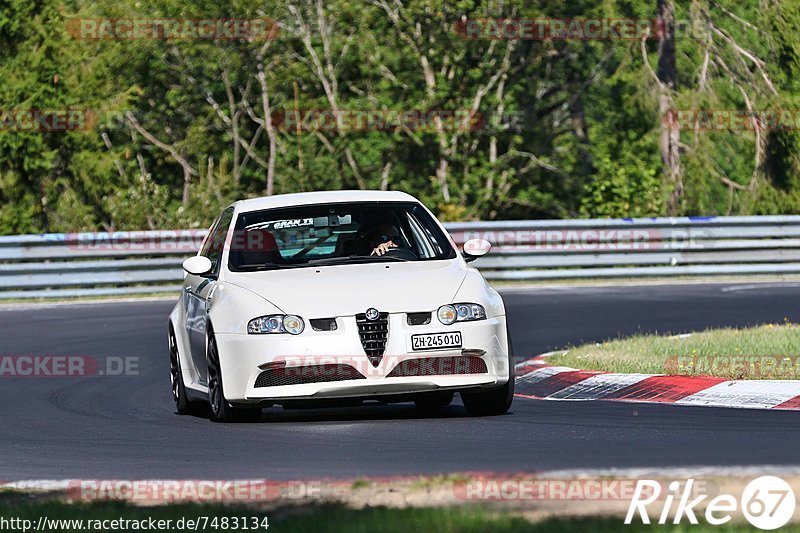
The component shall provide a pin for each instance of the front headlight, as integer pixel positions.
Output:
(464, 312)
(276, 324)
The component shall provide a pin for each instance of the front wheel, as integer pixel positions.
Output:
(495, 401)
(221, 410)
(491, 402)
(434, 400)
(183, 405)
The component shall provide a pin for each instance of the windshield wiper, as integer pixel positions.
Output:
(354, 259)
(351, 259)
(258, 268)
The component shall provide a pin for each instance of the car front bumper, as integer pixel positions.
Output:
(244, 357)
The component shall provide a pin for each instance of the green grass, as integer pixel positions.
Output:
(432, 482)
(360, 484)
(335, 518)
(771, 351)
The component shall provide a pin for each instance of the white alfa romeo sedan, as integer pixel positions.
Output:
(336, 298)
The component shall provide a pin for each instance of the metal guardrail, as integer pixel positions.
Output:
(120, 263)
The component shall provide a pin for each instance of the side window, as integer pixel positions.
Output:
(425, 233)
(421, 240)
(207, 241)
(215, 242)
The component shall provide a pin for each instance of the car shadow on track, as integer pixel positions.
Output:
(367, 412)
(360, 413)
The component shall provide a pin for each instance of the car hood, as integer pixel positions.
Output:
(343, 290)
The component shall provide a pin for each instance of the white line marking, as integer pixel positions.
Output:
(540, 375)
(757, 286)
(597, 387)
(539, 359)
(757, 394)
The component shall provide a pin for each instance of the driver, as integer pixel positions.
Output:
(383, 238)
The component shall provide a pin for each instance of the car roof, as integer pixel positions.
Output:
(322, 197)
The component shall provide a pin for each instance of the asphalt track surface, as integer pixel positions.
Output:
(126, 428)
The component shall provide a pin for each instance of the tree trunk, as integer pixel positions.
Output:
(581, 131)
(670, 135)
(270, 129)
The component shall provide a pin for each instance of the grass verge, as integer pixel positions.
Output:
(763, 352)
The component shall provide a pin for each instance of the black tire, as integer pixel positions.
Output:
(433, 401)
(221, 410)
(496, 401)
(491, 402)
(183, 405)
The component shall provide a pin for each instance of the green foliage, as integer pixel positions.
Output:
(620, 188)
(567, 128)
(772, 201)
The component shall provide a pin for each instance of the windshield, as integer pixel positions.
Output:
(342, 233)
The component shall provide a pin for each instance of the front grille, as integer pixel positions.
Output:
(439, 366)
(373, 335)
(300, 375)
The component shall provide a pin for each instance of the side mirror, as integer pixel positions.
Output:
(198, 265)
(475, 248)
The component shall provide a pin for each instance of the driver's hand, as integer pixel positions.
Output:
(383, 248)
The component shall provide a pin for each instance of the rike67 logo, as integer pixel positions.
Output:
(767, 502)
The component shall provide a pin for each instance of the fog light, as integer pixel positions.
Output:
(447, 314)
(293, 324)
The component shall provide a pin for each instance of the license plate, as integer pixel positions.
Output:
(436, 341)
